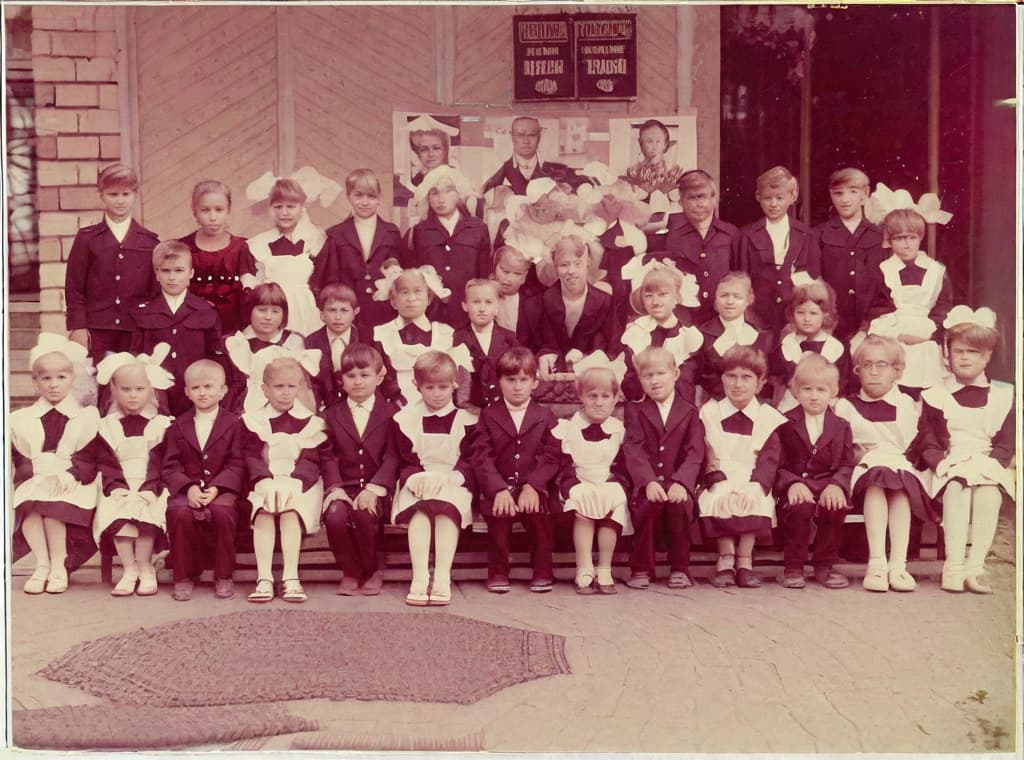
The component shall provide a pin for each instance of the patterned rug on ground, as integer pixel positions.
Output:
(131, 727)
(278, 655)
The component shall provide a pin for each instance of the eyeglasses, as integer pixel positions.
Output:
(879, 366)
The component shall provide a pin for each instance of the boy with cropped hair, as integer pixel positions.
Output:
(338, 306)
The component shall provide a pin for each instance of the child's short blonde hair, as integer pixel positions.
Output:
(818, 292)
(287, 191)
(570, 244)
(902, 221)
(282, 364)
(654, 356)
(730, 277)
(814, 366)
(52, 362)
(362, 179)
(208, 186)
(594, 377)
(203, 367)
(171, 250)
(480, 282)
(659, 276)
(777, 178)
(117, 176)
(849, 176)
(892, 348)
(434, 367)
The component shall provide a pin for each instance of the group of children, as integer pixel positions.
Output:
(772, 376)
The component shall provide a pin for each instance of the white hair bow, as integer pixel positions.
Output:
(308, 359)
(965, 315)
(635, 270)
(53, 343)
(600, 360)
(316, 186)
(158, 377)
(427, 271)
(884, 200)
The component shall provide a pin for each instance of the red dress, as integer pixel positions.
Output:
(217, 278)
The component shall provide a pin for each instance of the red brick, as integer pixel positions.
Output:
(54, 173)
(52, 223)
(78, 44)
(96, 70)
(67, 243)
(47, 199)
(54, 121)
(46, 147)
(45, 94)
(110, 146)
(109, 98)
(49, 249)
(78, 198)
(51, 274)
(87, 173)
(77, 95)
(106, 44)
(95, 120)
(54, 17)
(78, 147)
(47, 69)
(40, 42)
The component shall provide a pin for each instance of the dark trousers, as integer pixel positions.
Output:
(676, 519)
(499, 538)
(795, 520)
(352, 536)
(191, 539)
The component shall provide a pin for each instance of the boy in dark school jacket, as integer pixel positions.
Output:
(204, 472)
(813, 480)
(664, 451)
(177, 317)
(110, 269)
(515, 458)
(339, 306)
(486, 342)
(359, 470)
(776, 250)
(355, 250)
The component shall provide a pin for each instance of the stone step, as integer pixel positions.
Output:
(23, 318)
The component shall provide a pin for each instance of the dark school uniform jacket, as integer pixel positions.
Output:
(484, 390)
(506, 459)
(355, 462)
(828, 461)
(326, 386)
(709, 375)
(773, 286)
(221, 463)
(592, 333)
(458, 258)
(341, 260)
(708, 259)
(106, 280)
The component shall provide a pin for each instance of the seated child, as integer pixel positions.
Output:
(517, 309)
(182, 320)
(573, 315)
(432, 440)
(733, 299)
(812, 317)
(282, 459)
(592, 481)
(922, 293)
(657, 299)
(132, 512)
(813, 480)
(515, 458)
(664, 452)
(450, 239)
(359, 470)
(55, 478)
(851, 250)
(356, 250)
(284, 254)
(776, 251)
(884, 421)
(742, 439)
(204, 472)
(486, 343)
(968, 443)
(338, 308)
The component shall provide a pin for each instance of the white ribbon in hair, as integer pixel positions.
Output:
(316, 186)
(635, 271)
(885, 199)
(52, 343)
(965, 315)
(391, 273)
(437, 175)
(308, 359)
(600, 360)
(158, 377)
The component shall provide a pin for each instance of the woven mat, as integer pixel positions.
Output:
(277, 655)
(132, 727)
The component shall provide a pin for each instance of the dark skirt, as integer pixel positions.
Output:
(725, 527)
(921, 505)
(431, 508)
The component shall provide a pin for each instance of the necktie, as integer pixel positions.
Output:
(53, 429)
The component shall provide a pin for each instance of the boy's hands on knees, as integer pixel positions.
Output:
(833, 497)
(367, 500)
(529, 500)
(655, 492)
(80, 336)
(677, 493)
(504, 504)
(195, 496)
(335, 494)
(799, 493)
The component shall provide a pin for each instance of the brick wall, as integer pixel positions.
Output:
(74, 63)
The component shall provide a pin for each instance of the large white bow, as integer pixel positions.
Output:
(884, 200)
(158, 377)
(965, 315)
(316, 186)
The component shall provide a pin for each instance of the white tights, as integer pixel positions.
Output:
(887, 510)
(446, 539)
(583, 530)
(974, 506)
(263, 535)
(134, 547)
(47, 538)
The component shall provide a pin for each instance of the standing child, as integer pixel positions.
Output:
(517, 309)
(204, 471)
(515, 458)
(432, 440)
(282, 460)
(132, 512)
(777, 251)
(593, 481)
(182, 320)
(110, 269)
(219, 259)
(356, 250)
(743, 448)
(811, 314)
(813, 481)
(284, 255)
(485, 340)
(55, 475)
(968, 442)
(923, 295)
(362, 471)
(664, 451)
(657, 298)
(450, 239)
(851, 250)
(884, 421)
(338, 308)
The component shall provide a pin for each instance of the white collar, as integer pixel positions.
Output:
(421, 322)
(487, 329)
(345, 336)
(67, 406)
(516, 409)
(291, 237)
(120, 229)
(922, 260)
(610, 425)
(780, 226)
(732, 325)
(298, 411)
(954, 385)
(175, 302)
(525, 163)
(856, 222)
(667, 403)
(248, 332)
(149, 412)
(443, 412)
(365, 405)
(892, 396)
(209, 416)
(726, 409)
(370, 221)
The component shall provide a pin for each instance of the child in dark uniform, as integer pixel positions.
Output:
(339, 307)
(486, 342)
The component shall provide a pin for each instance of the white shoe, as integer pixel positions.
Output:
(976, 585)
(57, 580)
(952, 579)
(126, 586)
(876, 579)
(901, 580)
(147, 581)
